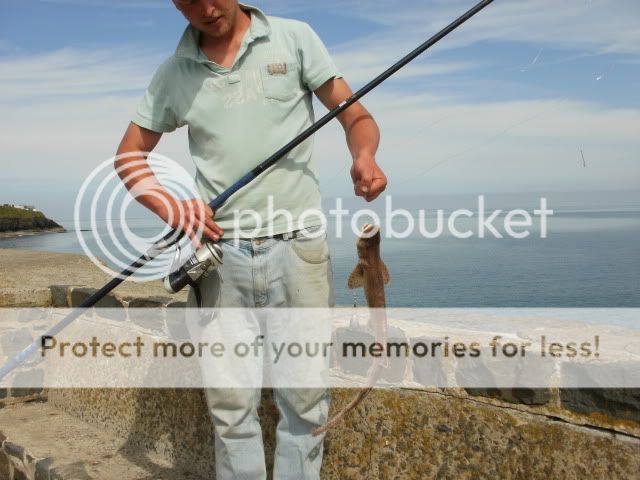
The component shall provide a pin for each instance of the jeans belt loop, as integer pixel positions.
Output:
(290, 235)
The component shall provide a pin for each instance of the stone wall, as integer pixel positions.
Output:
(616, 409)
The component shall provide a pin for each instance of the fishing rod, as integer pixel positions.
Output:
(210, 255)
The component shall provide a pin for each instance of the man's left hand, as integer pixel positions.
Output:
(369, 180)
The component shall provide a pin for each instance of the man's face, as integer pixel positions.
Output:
(212, 17)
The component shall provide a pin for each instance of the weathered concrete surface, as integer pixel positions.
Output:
(25, 277)
(393, 435)
(41, 442)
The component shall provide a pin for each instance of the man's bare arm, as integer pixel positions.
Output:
(134, 170)
(363, 138)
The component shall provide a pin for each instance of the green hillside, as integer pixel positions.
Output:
(10, 212)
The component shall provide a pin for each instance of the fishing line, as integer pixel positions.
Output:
(475, 147)
(420, 131)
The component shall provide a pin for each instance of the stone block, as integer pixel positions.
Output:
(599, 374)
(12, 343)
(79, 294)
(31, 315)
(13, 450)
(524, 396)
(60, 295)
(509, 380)
(349, 344)
(109, 306)
(398, 347)
(42, 468)
(177, 304)
(621, 403)
(349, 340)
(149, 302)
(176, 321)
(580, 392)
(427, 370)
(148, 312)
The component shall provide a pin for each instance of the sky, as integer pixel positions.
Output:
(504, 104)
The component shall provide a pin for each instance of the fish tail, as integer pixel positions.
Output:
(357, 400)
(340, 415)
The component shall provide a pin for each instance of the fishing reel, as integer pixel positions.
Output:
(206, 259)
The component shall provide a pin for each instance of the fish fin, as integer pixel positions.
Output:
(356, 279)
(385, 273)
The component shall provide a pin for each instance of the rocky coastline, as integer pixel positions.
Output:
(32, 223)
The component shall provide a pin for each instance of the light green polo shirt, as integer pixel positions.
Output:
(239, 116)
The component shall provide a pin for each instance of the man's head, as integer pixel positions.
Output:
(215, 18)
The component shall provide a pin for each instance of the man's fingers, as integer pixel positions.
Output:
(214, 227)
(206, 231)
(365, 181)
(191, 225)
(192, 236)
(378, 185)
(205, 214)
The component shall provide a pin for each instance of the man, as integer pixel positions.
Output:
(242, 83)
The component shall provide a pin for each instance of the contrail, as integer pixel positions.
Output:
(533, 62)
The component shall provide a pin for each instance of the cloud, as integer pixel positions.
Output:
(360, 68)
(129, 4)
(74, 72)
(599, 26)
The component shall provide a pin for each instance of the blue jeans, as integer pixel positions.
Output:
(293, 273)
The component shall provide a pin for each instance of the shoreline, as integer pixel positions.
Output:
(30, 232)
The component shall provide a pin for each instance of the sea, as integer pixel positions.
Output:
(590, 258)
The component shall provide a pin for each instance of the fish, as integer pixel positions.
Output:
(372, 275)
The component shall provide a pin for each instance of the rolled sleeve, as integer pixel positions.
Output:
(317, 64)
(157, 110)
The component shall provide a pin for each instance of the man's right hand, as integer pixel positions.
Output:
(190, 216)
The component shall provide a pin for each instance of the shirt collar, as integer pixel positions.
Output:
(188, 47)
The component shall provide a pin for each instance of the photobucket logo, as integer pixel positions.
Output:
(400, 223)
(104, 203)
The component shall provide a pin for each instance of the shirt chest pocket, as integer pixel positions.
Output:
(280, 81)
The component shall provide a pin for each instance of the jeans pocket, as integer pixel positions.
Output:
(311, 245)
